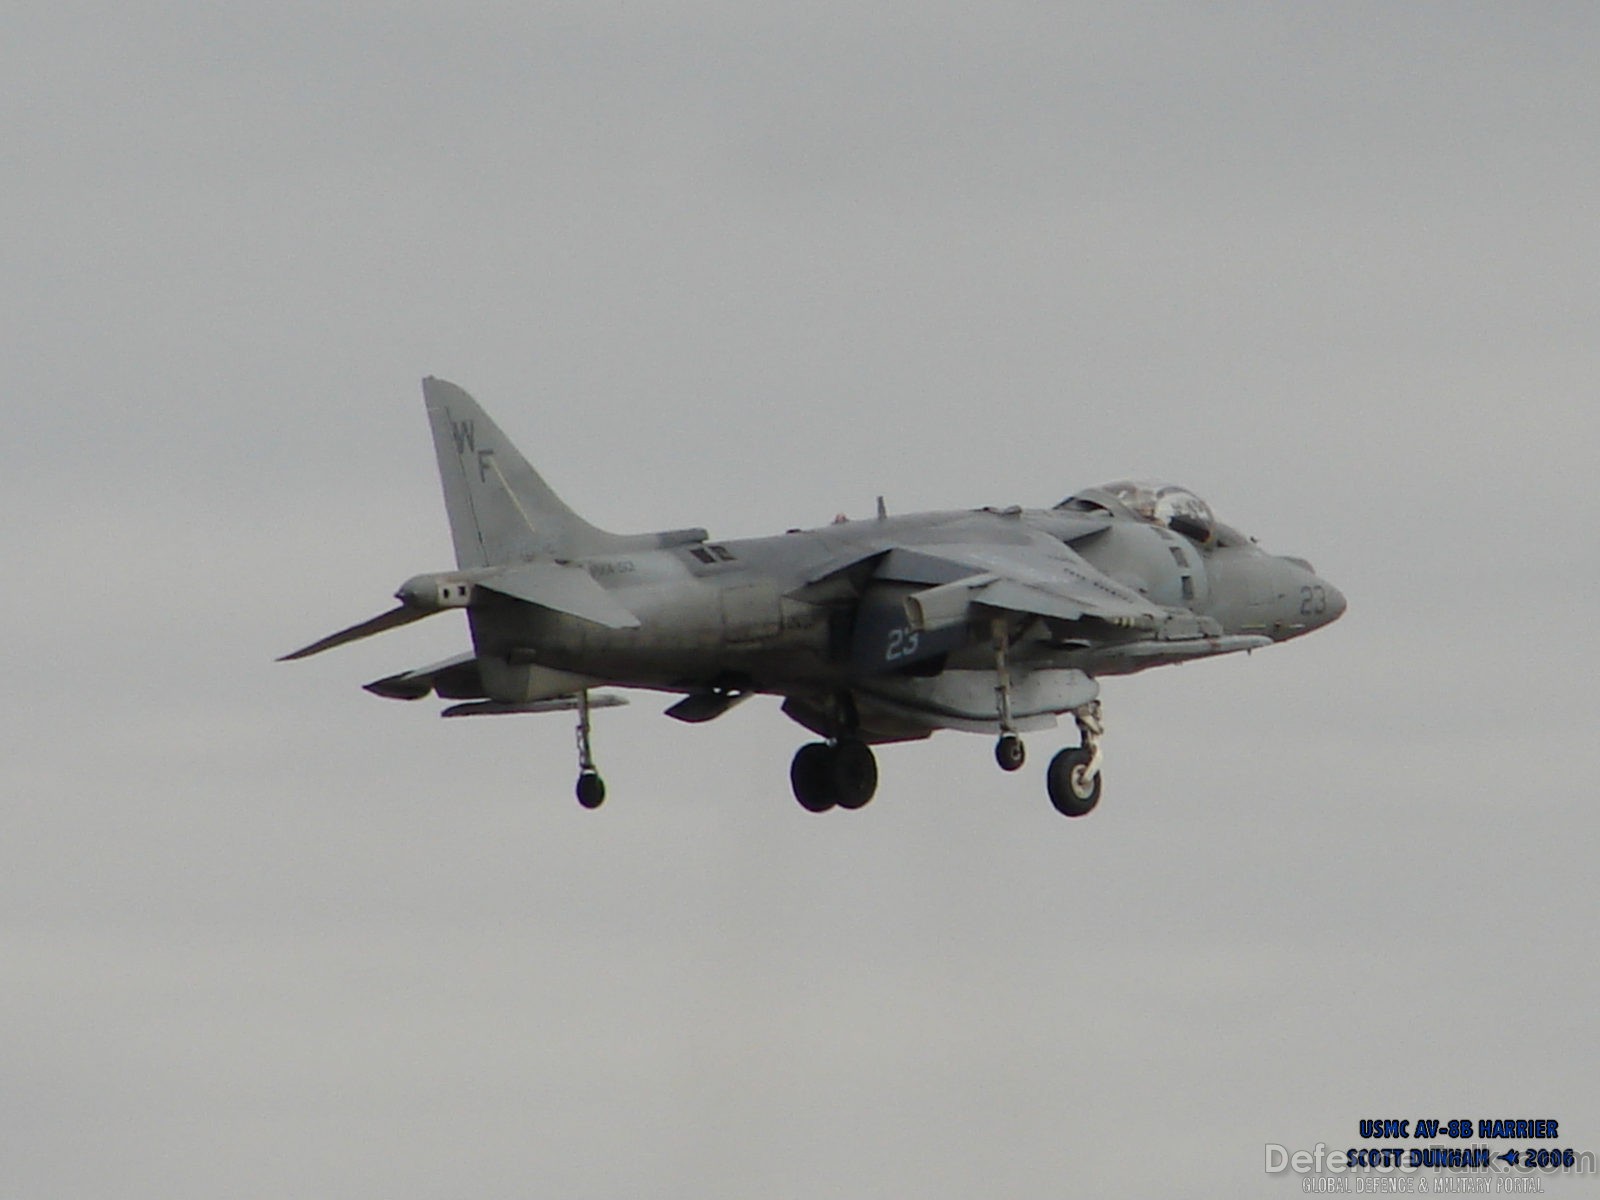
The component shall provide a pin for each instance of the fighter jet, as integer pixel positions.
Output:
(989, 620)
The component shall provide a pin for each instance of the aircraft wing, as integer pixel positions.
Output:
(1047, 581)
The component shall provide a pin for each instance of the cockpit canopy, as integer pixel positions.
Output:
(1177, 508)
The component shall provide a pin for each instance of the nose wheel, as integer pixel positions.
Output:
(1073, 778)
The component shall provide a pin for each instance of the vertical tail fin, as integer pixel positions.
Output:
(500, 510)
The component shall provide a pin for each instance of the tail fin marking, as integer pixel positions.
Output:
(500, 509)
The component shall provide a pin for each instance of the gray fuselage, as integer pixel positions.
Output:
(780, 614)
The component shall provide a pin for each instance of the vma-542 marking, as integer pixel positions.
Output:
(994, 620)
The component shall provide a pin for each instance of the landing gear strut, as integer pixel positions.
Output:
(1073, 778)
(591, 789)
(842, 773)
(1009, 751)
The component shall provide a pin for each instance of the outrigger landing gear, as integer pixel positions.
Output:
(1073, 778)
(842, 773)
(591, 788)
(1009, 751)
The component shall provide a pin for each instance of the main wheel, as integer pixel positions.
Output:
(855, 773)
(811, 777)
(1070, 792)
(591, 790)
(1009, 752)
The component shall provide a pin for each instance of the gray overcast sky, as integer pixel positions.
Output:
(1335, 267)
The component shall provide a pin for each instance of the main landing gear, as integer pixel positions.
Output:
(840, 773)
(843, 772)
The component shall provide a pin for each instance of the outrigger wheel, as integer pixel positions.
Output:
(591, 789)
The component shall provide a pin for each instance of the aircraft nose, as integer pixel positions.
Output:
(1336, 601)
(1320, 602)
(1312, 601)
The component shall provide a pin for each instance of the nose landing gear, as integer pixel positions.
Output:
(1073, 778)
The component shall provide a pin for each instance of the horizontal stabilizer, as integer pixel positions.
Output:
(454, 679)
(495, 708)
(566, 589)
(392, 619)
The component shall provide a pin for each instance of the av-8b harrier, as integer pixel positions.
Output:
(994, 620)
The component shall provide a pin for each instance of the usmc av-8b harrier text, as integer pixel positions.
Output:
(994, 620)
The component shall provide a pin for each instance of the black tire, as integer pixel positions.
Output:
(855, 773)
(811, 777)
(591, 790)
(1010, 753)
(1065, 784)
